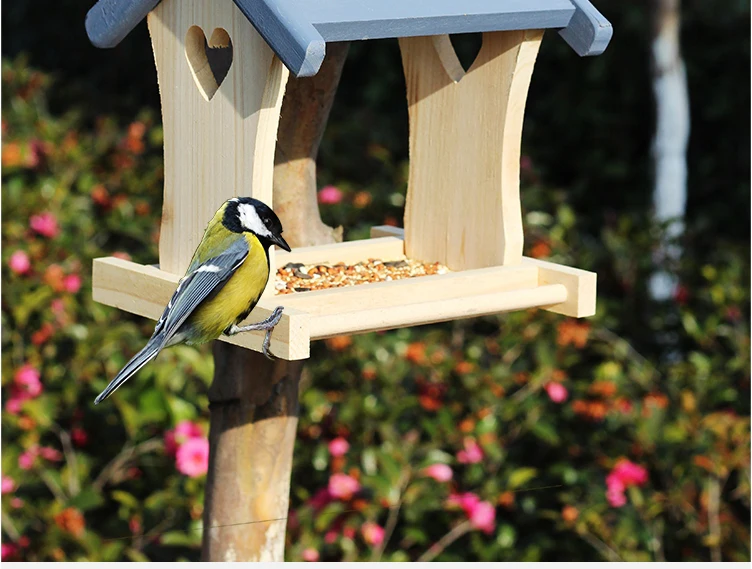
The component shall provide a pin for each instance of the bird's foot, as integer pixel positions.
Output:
(267, 325)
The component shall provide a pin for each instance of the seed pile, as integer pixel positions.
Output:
(297, 277)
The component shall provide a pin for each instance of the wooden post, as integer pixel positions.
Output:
(463, 197)
(254, 402)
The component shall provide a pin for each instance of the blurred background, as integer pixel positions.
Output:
(522, 437)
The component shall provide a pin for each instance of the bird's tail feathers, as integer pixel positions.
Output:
(148, 353)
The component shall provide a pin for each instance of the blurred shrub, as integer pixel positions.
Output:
(527, 436)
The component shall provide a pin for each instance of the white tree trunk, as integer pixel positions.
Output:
(670, 141)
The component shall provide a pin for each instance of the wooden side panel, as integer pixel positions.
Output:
(463, 203)
(145, 291)
(215, 149)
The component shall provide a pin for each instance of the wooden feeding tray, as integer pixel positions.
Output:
(319, 314)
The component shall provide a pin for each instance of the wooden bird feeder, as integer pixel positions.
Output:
(222, 67)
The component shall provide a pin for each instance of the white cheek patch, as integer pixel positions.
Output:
(251, 221)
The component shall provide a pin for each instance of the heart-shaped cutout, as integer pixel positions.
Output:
(209, 61)
(467, 47)
(457, 52)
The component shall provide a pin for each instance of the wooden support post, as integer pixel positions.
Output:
(463, 198)
(254, 402)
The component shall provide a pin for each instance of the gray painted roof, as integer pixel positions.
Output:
(297, 30)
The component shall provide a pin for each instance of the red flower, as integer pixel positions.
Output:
(79, 436)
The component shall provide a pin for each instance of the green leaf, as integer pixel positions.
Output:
(126, 499)
(520, 477)
(87, 499)
(180, 538)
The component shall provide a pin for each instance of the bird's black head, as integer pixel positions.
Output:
(249, 214)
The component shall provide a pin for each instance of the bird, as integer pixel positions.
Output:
(223, 283)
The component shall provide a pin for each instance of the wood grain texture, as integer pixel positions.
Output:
(580, 285)
(217, 149)
(421, 300)
(463, 202)
(254, 407)
(305, 110)
(145, 290)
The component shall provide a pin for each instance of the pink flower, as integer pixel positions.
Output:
(348, 532)
(13, 405)
(8, 551)
(330, 536)
(19, 263)
(373, 534)
(338, 447)
(557, 392)
(630, 473)
(330, 195)
(439, 472)
(45, 224)
(182, 432)
(57, 306)
(310, 554)
(472, 453)
(27, 380)
(192, 458)
(72, 283)
(616, 497)
(17, 502)
(8, 484)
(483, 516)
(51, 454)
(623, 475)
(26, 460)
(342, 486)
(467, 501)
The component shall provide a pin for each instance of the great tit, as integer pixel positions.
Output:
(223, 283)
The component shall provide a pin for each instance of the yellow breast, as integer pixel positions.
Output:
(236, 299)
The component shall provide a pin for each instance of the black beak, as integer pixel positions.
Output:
(278, 240)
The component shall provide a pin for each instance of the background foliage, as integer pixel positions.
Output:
(535, 414)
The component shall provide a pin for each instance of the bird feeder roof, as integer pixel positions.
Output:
(297, 30)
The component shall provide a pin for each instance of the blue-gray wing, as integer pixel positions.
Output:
(204, 280)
